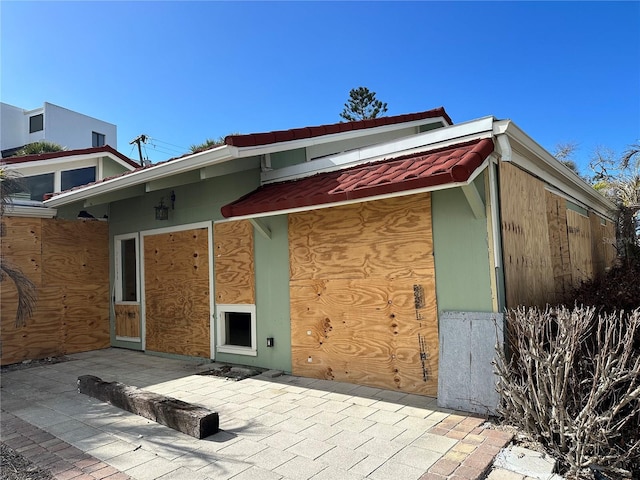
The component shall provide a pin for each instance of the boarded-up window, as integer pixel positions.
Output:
(362, 288)
(235, 287)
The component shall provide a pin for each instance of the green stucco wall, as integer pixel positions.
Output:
(461, 253)
(272, 299)
(201, 202)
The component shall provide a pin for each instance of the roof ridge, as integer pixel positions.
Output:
(277, 136)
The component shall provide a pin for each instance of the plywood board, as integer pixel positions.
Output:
(72, 311)
(22, 246)
(42, 336)
(597, 244)
(365, 332)
(75, 251)
(234, 263)
(86, 317)
(579, 231)
(609, 240)
(362, 290)
(382, 239)
(176, 279)
(127, 320)
(528, 267)
(559, 243)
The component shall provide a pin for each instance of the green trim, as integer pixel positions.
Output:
(577, 208)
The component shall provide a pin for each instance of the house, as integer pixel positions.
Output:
(69, 129)
(341, 251)
(54, 172)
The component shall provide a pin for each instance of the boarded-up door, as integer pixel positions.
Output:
(362, 287)
(176, 281)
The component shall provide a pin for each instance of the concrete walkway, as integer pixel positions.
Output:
(272, 428)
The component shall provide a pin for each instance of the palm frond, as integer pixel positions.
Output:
(27, 294)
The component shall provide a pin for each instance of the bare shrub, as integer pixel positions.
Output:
(572, 382)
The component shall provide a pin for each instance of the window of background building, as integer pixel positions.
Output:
(77, 177)
(38, 185)
(36, 123)
(97, 139)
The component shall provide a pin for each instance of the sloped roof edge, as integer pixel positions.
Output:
(451, 165)
(107, 149)
(278, 136)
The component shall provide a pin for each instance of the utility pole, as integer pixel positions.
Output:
(138, 140)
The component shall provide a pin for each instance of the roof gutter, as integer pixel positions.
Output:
(30, 211)
(509, 135)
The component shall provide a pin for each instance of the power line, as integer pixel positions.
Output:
(183, 149)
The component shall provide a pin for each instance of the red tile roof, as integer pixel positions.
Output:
(69, 153)
(437, 167)
(256, 139)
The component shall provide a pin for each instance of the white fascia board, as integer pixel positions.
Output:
(547, 168)
(30, 211)
(53, 163)
(155, 172)
(403, 193)
(439, 138)
(336, 137)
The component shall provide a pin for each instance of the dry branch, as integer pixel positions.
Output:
(573, 383)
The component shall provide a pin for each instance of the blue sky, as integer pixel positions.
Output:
(181, 72)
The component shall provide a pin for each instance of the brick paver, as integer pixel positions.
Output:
(287, 427)
(62, 460)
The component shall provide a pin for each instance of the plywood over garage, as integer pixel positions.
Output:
(362, 287)
(176, 282)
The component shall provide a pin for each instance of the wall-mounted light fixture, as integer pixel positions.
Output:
(269, 341)
(162, 211)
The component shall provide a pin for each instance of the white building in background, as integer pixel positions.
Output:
(72, 130)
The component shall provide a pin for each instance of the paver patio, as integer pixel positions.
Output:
(271, 428)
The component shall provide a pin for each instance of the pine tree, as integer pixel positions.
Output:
(362, 105)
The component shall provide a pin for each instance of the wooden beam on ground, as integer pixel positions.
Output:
(182, 416)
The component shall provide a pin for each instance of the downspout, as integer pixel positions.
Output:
(504, 154)
(497, 234)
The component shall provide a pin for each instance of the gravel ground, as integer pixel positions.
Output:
(14, 466)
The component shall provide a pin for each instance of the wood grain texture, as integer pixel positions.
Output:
(75, 250)
(579, 231)
(382, 239)
(365, 332)
(72, 312)
(597, 245)
(361, 309)
(234, 263)
(559, 243)
(528, 267)
(22, 246)
(127, 320)
(176, 267)
(609, 240)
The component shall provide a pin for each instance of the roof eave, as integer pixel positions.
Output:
(202, 159)
(554, 170)
(332, 137)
